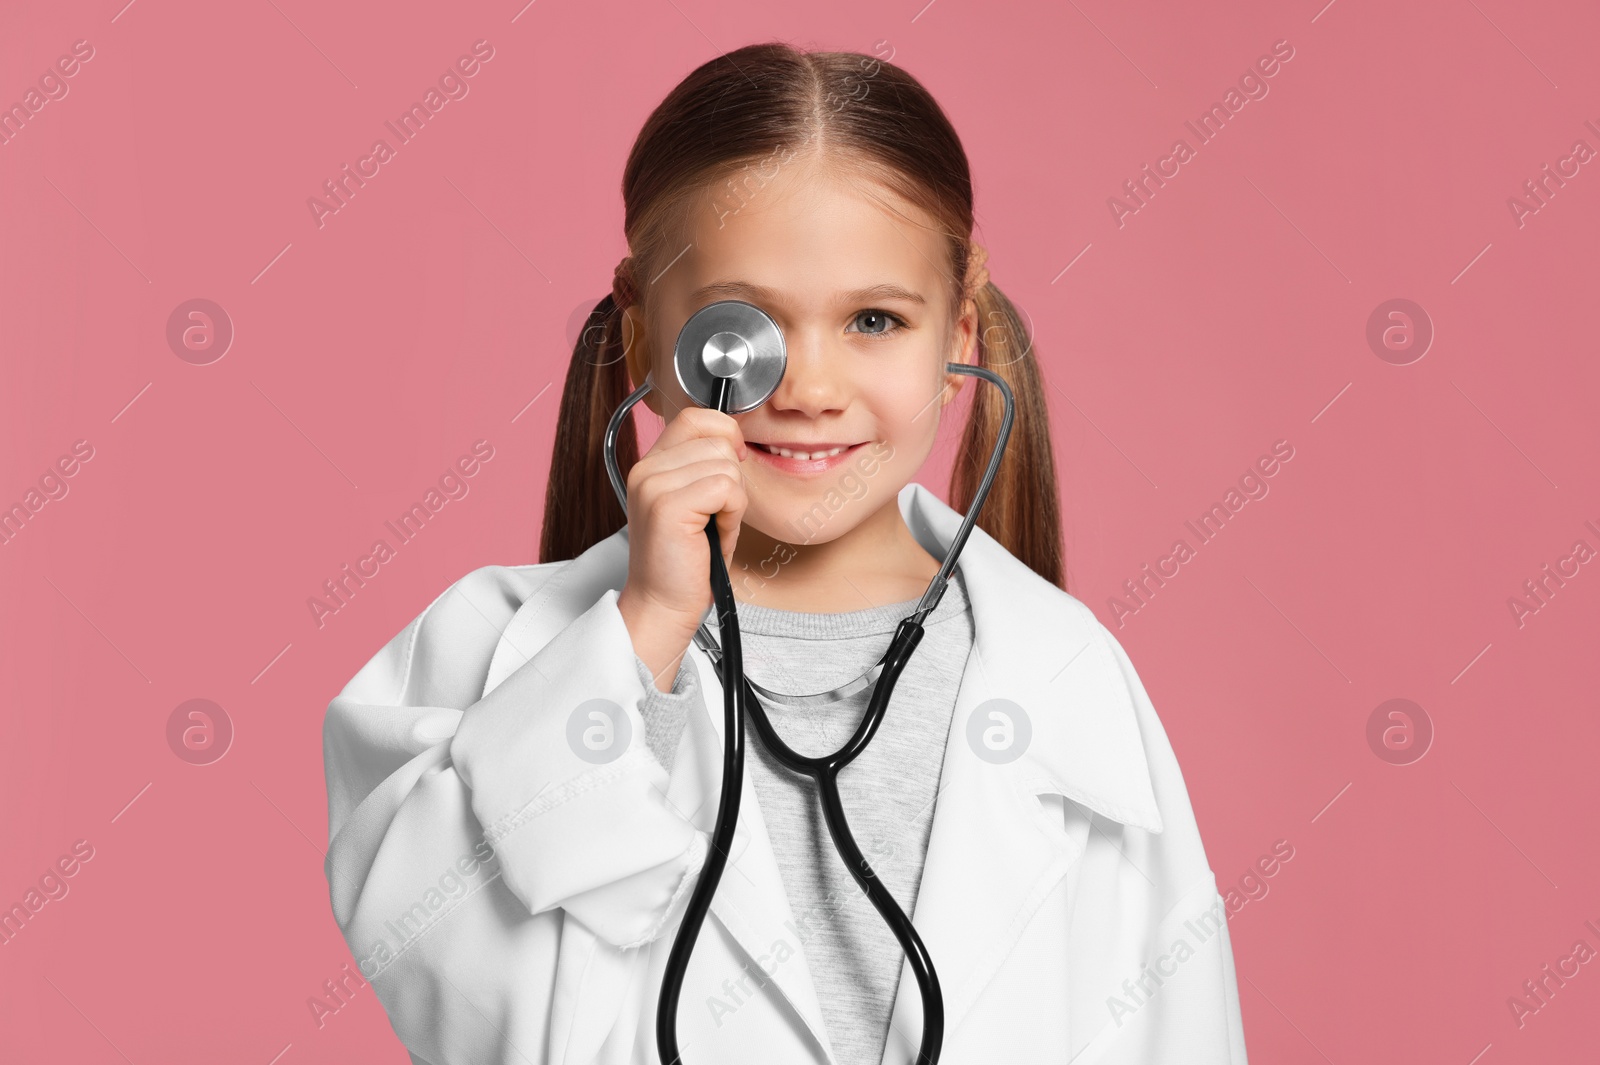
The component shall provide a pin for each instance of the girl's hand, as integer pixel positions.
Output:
(691, 473)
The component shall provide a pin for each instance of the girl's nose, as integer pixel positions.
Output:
(815, 380)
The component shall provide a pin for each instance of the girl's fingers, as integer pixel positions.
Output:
(693, 423)
(667, 463)
(691, 475)
(666, 487)
(707, 489)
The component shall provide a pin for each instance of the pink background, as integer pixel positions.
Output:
(1228, 313)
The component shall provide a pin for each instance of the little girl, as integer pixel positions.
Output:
(522, 783)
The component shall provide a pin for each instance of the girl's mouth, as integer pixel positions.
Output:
(818, 459)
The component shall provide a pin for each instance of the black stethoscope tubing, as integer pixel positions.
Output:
(739, 699)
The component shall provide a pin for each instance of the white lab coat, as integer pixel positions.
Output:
(1066, 899)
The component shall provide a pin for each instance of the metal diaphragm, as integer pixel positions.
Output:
(735, 340)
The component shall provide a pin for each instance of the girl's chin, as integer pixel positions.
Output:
(806, 516)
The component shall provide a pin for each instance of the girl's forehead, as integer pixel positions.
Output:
(811, 232)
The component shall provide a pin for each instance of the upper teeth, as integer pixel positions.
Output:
(802, 455)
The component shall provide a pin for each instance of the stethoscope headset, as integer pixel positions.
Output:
(730, 357)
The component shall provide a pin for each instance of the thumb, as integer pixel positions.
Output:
(728, 534)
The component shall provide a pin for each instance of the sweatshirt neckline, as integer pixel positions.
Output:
(871, 621)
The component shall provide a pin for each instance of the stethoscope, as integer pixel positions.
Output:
(730, 356)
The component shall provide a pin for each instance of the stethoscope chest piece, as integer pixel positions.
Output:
(734, 341)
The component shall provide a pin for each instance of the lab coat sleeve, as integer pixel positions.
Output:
(1187, 1012)
(447, 802)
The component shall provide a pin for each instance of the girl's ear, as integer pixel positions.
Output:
(967, 333)
(964, 348)
(636, 348)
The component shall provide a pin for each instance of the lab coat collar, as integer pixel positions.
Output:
(1039, 647)
(994, 853)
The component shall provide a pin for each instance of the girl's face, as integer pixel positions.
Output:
(861, 295)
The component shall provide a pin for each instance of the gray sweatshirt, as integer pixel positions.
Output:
(888, 792)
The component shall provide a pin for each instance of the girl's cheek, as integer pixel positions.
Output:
(918, 413)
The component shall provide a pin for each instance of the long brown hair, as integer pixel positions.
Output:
(726, 117)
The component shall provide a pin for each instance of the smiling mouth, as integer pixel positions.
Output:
(804, 456)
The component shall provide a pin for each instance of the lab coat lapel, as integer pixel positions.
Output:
(1035, 682)
(751, 901)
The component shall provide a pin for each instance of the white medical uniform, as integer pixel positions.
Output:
(511, 886)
